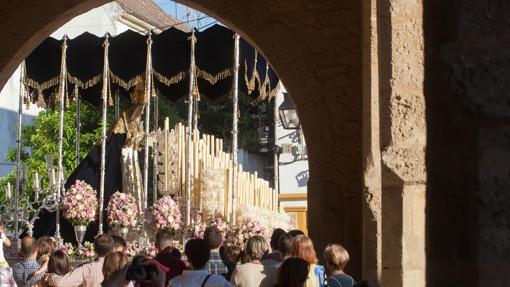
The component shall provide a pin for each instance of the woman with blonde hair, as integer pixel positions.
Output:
(253, 273)
(302, 247)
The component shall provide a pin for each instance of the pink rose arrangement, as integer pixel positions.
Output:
(198, 229)
(166, 214)
(80, 203)
(86, 251)
(122, 210)
(246, 228)
(134, 249)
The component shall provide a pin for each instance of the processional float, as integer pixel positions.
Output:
(210, 62)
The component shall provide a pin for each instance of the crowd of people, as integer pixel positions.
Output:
(288, 260)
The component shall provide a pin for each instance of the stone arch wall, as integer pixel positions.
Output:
(315, 46)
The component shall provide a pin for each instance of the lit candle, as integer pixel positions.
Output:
(8, 191)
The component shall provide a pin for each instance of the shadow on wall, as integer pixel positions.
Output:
(8, 130)
(467, 79)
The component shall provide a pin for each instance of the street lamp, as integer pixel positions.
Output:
(288, 114)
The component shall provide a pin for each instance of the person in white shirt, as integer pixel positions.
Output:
(197, 252)
(254, 273)
(3, 241)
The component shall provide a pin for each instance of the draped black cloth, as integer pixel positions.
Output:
(89, 171)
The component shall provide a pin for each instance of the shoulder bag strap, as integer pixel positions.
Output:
(205, 280)
(336, 280)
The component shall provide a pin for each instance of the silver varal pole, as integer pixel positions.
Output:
(190, 128)
(104, 104)
(18, 146)
(78, 123)
(148, 91)
(155, 153)
(275, 156)
(235, 117)
(62, 91)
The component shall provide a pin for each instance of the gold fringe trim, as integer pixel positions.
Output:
(42, 86)
(172, 80)
(214, 79)
(125, 85)
(84, 85)
(250, 83)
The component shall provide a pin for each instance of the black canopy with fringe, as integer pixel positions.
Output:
(127, 60)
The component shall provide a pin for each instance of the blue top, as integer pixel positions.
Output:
(342, 280)
(316, 276)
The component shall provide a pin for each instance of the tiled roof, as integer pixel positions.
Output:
(151, 13)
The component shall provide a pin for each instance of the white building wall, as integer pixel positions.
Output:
(97, 21)
(293, 167)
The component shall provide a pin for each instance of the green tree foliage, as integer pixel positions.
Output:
(40, 139)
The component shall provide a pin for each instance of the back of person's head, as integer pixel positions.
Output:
(243, 257)
(119, 244)
(275, 237)
(164, 238)
(176, 253)
(293, 273)
(114, 261)
(296, 232)
(103, 245)
(46, 246)
(232, 253)
(302, 247)
(198, 252)
(59, 263)
(256, 247)
(28, 246)
(285, 244)
(213, 236)
(336, 257)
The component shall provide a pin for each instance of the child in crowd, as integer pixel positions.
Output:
(336, 257)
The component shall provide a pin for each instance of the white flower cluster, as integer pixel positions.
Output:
(267, 218)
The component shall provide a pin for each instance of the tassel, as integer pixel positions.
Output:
(40, 100)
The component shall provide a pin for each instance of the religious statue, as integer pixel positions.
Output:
(130, 124)
(123, 162)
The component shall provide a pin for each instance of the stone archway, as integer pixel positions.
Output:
(331, 56)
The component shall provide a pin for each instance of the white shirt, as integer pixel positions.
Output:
(2, 238)
(195, 278)
(254, 275)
